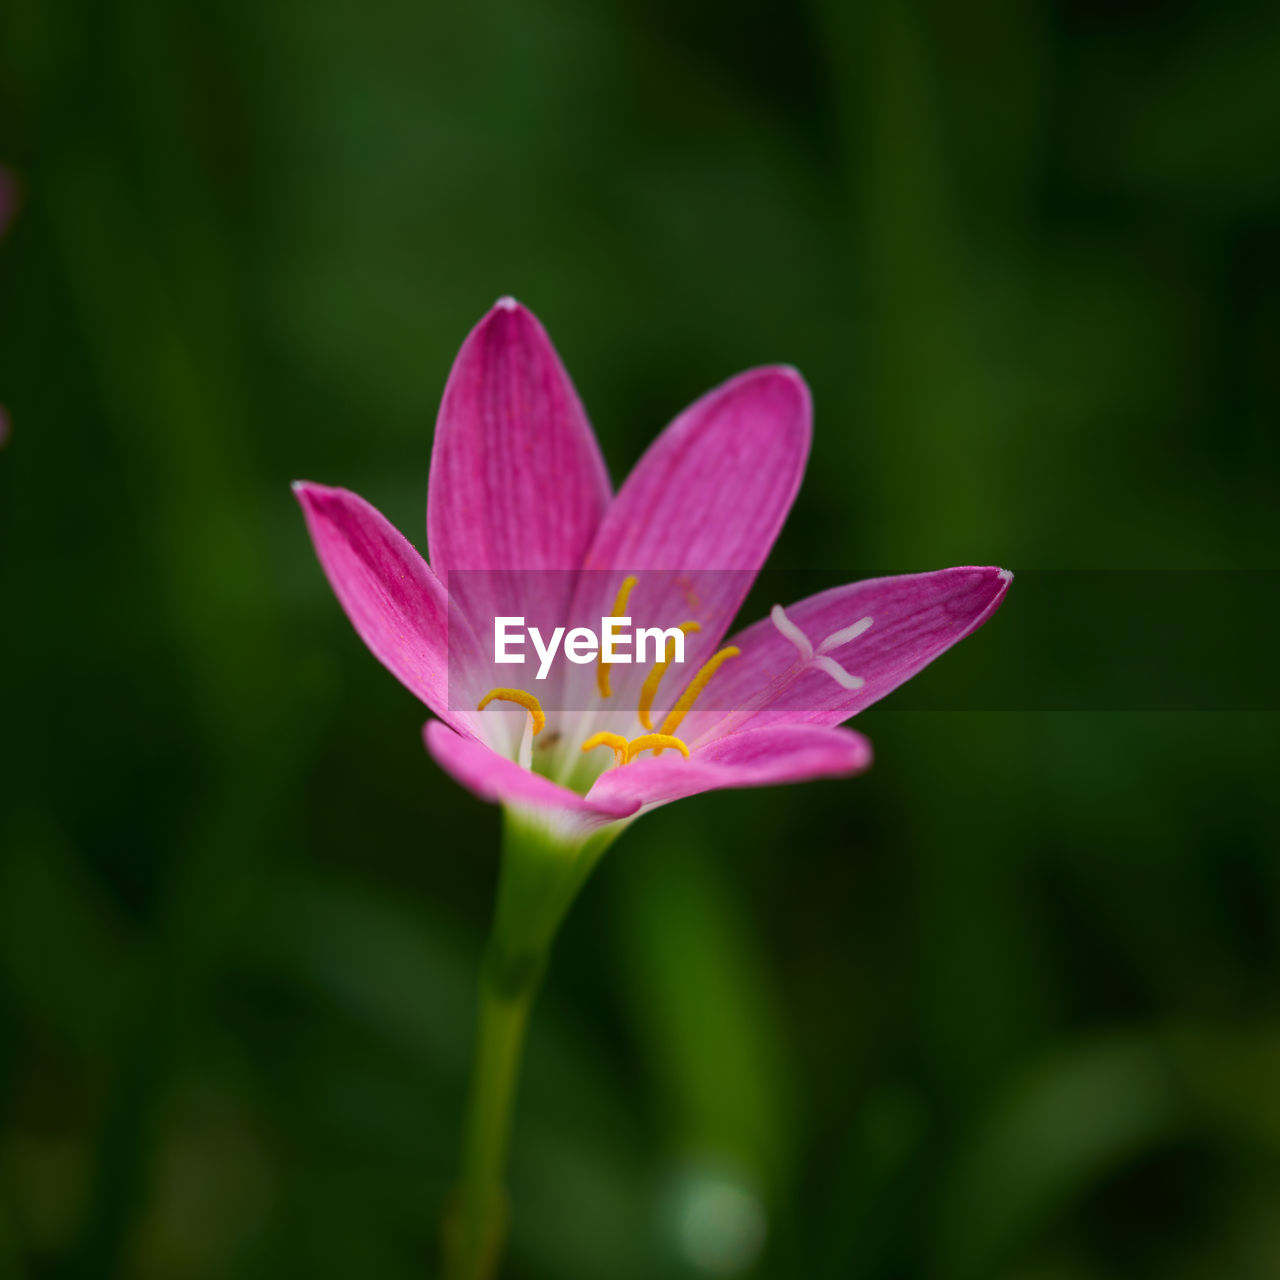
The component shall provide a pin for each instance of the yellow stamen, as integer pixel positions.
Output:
(654, 742)
(614, 740)
(602, 667)
(649, 690)
(696, 686)
(521, 699)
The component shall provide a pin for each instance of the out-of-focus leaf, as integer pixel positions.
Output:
(79, 986)
(706, 1013)
(1071, 1119)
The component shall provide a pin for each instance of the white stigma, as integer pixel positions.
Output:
(838, 673)
(837, 638)
(821, 659)
(791, 631)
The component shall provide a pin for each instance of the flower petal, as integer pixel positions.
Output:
(704, 504)
(517, 480)
(914, 618)
(755, 758)
(501, 781)
(714, 488)
(394, 601)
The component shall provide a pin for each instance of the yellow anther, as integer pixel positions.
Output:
(649, 690)
(696, 686)
(614, 740)
(521, 699)
(602, 667)
(654, 742)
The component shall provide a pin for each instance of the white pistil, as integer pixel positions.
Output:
(791, 631)
(837, 672)
(837, 638)
(821, 659)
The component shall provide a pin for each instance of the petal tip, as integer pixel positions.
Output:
(782, 375)
(1003, 579)
(507, 310)
(984, 573)
(786, 381)
(508, 320)
(312, 496)
(779, 390)
(997, 581)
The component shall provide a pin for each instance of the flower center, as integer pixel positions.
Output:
(624, 749)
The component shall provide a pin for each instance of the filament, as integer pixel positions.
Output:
(602, 667)
(649, 689)
(696, 686)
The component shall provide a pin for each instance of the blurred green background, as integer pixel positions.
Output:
(1007, 1006)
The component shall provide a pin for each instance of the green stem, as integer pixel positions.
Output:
(479, 1227)
(539, 878)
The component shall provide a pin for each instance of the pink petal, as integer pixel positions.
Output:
(915, 618)
(501, 781)
(394, 601)
(756, 758)
(517, 480)
(714, 488)
(704, 503)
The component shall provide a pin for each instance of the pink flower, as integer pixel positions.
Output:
(517, 483)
